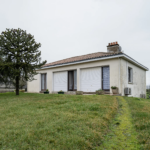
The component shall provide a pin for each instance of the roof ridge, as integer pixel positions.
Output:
(81, 57)
(76, 56)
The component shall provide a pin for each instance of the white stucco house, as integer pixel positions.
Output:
(91, 72)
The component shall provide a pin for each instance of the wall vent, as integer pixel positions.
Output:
(127, 91)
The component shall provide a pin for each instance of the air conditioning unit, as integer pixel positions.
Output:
(127, 91)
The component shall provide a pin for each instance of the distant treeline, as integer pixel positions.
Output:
(148, 88)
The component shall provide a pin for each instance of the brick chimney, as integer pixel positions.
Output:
(113, 47)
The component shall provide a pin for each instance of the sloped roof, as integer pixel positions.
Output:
(80, 58)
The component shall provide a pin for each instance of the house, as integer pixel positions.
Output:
(91, 72)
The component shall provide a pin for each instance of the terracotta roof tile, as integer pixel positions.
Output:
(80, 58)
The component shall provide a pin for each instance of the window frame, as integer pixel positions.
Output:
(73, 89)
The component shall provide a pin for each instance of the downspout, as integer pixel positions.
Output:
(126, 73)
(118, 74)
(120, 79)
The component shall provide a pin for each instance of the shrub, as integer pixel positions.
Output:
(60, 91)
(114, 87)
(99, 92)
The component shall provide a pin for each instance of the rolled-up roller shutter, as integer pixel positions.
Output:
(60, 81)
(90, 79)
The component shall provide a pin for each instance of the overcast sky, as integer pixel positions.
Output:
(68, 28)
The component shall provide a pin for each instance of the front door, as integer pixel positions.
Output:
(105, 78)
(72, 80)
(43, 82)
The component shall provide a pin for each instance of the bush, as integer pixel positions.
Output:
(99, 92)
(60, 91)
(148, 96)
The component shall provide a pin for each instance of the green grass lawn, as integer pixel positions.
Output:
(122, 134)
(38, 121)
(140, 110)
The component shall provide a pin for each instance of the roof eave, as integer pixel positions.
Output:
(96, 59)
(135, 62)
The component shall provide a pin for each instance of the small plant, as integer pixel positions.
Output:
(61, 91)
(46, 92)
(114, 87)
(99, 90)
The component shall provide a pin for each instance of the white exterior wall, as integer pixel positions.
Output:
(34, 86)
(118, 76)
(138, 86)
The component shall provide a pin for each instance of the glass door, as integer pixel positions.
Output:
(72, 80)
(105, 78)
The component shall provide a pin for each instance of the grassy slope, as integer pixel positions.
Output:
(140, 110)
(38, 121)
(122, 134)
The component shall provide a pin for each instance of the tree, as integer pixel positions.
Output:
(3, 73)
(21, 56)
(22, 83)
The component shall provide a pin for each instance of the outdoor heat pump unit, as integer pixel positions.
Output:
(127, 91)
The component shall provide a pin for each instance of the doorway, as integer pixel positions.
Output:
(72, 80)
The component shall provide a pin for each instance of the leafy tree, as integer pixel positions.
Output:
(3, 73)
(22, 56)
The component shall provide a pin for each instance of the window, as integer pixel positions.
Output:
(43, 82)
(106, 78)
(130, 75)
(75, 79)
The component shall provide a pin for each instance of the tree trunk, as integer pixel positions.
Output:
(17, 85)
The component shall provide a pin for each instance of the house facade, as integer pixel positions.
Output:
(91, 72)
